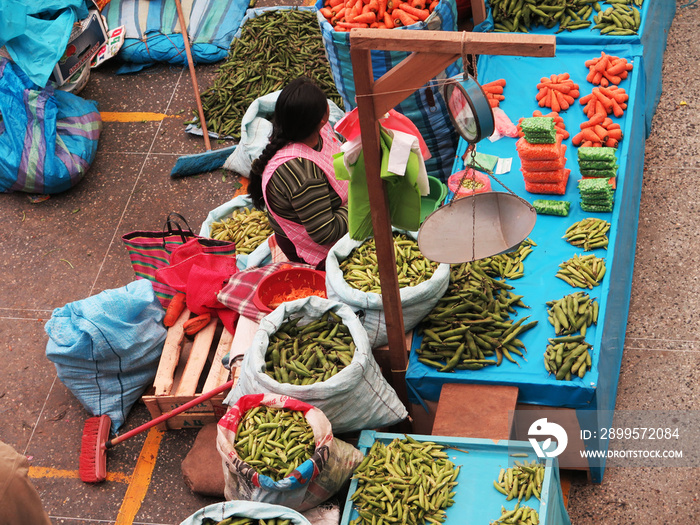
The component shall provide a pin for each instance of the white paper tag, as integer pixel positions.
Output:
(503, 165)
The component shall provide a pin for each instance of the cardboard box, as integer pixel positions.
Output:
(86, 40)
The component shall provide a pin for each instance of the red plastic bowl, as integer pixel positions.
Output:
(285, 281)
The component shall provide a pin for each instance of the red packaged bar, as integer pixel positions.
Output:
(546, 176)
(539, 151)
(547, 188)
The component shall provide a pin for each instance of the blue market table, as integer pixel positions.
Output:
(593, 397)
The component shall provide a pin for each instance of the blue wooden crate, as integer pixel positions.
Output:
(477, 502)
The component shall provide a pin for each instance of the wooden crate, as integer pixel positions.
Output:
(189, 368)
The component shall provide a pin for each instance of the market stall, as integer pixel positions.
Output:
(597, 389)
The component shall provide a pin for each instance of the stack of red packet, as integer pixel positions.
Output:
(543, 166)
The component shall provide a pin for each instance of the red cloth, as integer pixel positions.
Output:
(200, 276)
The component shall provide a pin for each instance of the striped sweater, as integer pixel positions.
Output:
(299, 191)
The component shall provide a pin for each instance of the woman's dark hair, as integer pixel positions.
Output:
(299, 109)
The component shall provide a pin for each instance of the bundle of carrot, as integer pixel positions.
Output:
(557, 92)
(345, 15)
(605, 100)
(494, 91)
(559, 126)
(598, 131)
(607, 69)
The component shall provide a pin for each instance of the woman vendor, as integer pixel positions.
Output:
(294, 180)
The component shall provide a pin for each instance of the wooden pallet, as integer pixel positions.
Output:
(189, 368)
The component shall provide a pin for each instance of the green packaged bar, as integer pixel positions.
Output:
(541, 139)
(537, 125)
(597, 165)
(599, 173)
(552, 207)
(594, 186)
(603, 154)
(595, 208)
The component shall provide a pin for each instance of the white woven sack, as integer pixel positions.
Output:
(245, 509)
(416, 301)
(258, 257)
(356, 398)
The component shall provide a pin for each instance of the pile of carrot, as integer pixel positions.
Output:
(297, 293)
(494, 91)
(605, 100)
(345, 15)
(598, 131)
(607, 69)
(559, 125)
(557, 92)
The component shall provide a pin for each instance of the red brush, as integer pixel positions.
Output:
(93, 449)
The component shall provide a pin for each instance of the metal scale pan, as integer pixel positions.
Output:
(482, 224)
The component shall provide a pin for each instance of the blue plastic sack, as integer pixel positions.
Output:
(426, 107)
(48, 139)
(153, 30)
(106, 348)
(36, 33)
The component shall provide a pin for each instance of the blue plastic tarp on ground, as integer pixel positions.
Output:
(656, 18)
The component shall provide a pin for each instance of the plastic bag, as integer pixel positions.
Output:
(48, 139)
(313, 482)
(546, 176)
(106, 348)
(356, 398)
(416, 301)
(244, 509)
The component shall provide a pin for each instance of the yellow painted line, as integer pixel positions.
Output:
(45, 472)
(141, 478)
(134, 116)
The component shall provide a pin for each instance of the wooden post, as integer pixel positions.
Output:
(431, 52)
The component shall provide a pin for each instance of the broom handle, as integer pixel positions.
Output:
(168, 415)
(190, 63)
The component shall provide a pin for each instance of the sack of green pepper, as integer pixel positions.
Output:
(256, 254)
(277, 449)
(245, 512)
(294, 353)
(421, 282)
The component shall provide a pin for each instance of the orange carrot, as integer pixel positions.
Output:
(420, 14)
(335, 3)
(433, 5)
(327, 12)
(381, 9)
(615, 133)
(351, 25)
(388, 21)
(402, 18)
(175, 308)
(194, 325)
(366, 18)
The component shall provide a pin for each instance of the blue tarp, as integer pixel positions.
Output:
(599, 387)
(153, 30)
(36, 33)
(656, 18)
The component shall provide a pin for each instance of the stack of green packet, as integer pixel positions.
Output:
(597, 162)
(596, 195)
(539, 130)
(551, 207)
